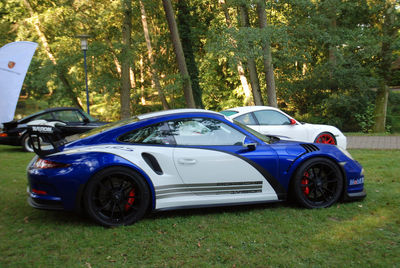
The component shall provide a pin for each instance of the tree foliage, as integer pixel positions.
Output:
(327, 55)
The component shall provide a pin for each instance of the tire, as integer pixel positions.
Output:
(318, 183)
(26, 143)
(116, 196)
(325, 137)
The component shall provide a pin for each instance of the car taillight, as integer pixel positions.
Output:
(42, 164)
(3, 134)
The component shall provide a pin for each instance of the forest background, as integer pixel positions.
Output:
(327, 61)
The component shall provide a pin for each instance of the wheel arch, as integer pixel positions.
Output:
(303, 160)
(132, 167)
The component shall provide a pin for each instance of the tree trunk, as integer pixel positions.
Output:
(61, 72)
(185, 33)
(381, 108)
(390, 33)
(180, 58)
(125, 94)
(154, 75)
(267, 58)
(332, 54)
(242, 76)
(251, 64)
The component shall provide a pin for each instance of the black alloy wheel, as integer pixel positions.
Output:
(318, 183)
(116, 196)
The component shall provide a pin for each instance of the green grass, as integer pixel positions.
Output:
(365, 233)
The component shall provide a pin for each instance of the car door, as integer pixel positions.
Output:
(215, 167)
(275, 123)
(75, 122)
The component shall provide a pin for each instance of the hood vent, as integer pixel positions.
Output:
(309, 147)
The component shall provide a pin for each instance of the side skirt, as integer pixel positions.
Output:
(217, 205)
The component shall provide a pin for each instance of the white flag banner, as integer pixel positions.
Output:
(14, 62)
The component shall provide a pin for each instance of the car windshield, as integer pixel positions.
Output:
(228, 112)
(262, 137)
(109, 126)
(91, 118)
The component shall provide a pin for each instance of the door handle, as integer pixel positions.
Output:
(187, 161)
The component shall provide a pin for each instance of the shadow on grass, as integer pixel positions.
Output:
(64, 218)
(13, 149)
(216, 210)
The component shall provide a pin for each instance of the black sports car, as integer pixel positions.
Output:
(76, 121)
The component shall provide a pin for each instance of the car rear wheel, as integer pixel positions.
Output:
(26, 143)
(318, 183)
(325, 137)
(116, 196)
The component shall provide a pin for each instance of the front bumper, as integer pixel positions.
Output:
(45, 204)
(355, 196)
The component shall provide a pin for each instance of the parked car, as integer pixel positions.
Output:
(186, 158)
(76, 120)
(272, 121)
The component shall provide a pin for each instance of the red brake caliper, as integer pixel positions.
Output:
(131, 199)
(304, 181)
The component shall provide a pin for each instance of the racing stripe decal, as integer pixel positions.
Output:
(208, 189)
(275, 184)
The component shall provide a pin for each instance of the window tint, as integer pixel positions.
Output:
(246, 119)
(228, 112)
(203, 131)
(69, 116)
(155, 134)
(271, 118)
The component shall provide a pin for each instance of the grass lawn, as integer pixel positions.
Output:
(365, 233)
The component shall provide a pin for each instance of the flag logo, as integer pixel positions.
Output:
(11, 64)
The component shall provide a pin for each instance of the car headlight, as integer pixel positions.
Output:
(346, 153)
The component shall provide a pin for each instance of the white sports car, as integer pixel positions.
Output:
(272, 121)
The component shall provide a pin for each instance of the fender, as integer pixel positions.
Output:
(97, 161)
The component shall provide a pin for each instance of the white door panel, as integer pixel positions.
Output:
(215, 175)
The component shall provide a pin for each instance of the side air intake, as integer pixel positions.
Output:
(310, 147)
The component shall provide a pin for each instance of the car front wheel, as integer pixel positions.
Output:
(318, 183)
(325, 137)
(116, 196)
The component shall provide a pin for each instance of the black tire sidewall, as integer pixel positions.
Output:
(139, 182)
(296, 182)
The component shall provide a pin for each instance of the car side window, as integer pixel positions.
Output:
(69, 116)
(204, 131)
(46, 116)
(154, 134)
(246, 119)
(271, 118)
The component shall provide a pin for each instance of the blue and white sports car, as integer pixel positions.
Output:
(184, 159)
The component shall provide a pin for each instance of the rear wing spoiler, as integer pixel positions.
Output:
(45, 137)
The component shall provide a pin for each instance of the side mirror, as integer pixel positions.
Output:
(292, 121)
(249, 144)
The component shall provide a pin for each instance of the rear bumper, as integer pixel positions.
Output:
(10, 140)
